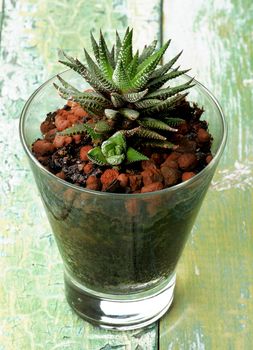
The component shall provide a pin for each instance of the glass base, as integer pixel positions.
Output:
(120, 312)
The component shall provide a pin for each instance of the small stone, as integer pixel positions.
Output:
(183, 128)
(108, 177)
(123, 180)
(88, 168)
(209, 158)
(42, 147)
(93, 183)
(145, 164)
(170, 163)
(84, 151)
(187, 161)
(157, 158)
(60, 141)
(151, 175)
(135, 182)
(187, 175)
(203, 136)
(155, 186)
(61, 175)
(171, 176)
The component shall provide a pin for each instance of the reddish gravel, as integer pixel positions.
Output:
(66, 156)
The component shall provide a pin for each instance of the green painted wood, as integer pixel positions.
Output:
(213, 306)
(33, 312)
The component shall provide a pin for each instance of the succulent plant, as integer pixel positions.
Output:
(129, 104)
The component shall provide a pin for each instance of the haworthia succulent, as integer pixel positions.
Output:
(129, 94)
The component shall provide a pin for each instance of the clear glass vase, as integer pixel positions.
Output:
(119, 251)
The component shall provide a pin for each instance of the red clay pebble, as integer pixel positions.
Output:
(50, 135)
(61, 121)
(135, 182)
(77, 138)
(88, 168)
(43, 147)
(46, 126)
(187, 175)
(79, 112)
(83, 152)
(209, 158)
(182, 128)
(151, 175)
(72, 118)
(108, 177)
(60, 141)
(123, 180)
(61, 175)
(145, 164)
(170, 163)
(157, 158)
(187, 161)
(93, 183)
(203, 136)
(171, 176)
(155, 186)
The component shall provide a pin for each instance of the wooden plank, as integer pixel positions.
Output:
(213, 306)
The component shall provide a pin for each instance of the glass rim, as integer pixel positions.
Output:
(171, 189)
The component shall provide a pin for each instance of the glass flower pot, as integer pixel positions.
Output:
(119, 251)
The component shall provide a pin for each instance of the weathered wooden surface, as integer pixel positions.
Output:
(213, 307)
(33, 312)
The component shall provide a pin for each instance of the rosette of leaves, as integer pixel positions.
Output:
(114, 151)
(128, 96)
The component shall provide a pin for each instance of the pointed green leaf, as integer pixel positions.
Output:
(85, 99)
(97, 74)
(63, 54)
(170, 91)
(133, 155)
(79, 129)
(96, 156)
(164, 69)
(147, 103)
(94, 47)
(129, 113)
(67, 86)
(158, 144)
(132, 67)
(118, 46)
(147, 51)
(174, 121)
(117, 100)
(121, 78)
(102, 127)
(164, 105)
(156, 83)
(111, 114)
(88, 76)
(112, 55)
(104, 58)
(135, 96)
(145, 133)
(152, 123)
(125, 53)
(146, 68)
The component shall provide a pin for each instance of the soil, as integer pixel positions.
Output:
(66, 156)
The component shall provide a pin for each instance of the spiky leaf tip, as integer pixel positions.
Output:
(133, 155)
(79, 129)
